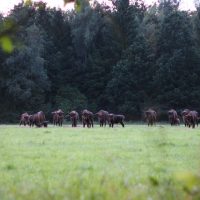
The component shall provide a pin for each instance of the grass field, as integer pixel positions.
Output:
(135, 162)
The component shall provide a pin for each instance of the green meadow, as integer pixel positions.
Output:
(135, 162)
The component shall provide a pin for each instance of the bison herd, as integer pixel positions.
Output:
(58, 117)
(190, 118)
(37, 119)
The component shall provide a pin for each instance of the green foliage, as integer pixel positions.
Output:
(189, 181)
(6, 44)
(7, 26)
(177, 61)
(26, 88)
(69, 98)
(123, 59)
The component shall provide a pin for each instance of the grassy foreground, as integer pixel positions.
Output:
(136, 162)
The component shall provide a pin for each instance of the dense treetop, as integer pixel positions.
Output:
(123, 59)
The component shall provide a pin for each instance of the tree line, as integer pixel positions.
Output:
(124, 59)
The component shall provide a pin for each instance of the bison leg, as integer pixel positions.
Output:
(92, 123)
(193, 124)
(75, 123)
(122, 124)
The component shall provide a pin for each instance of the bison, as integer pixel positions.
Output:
(102, 117)
(38, 119)
(55, 118)
(173, 117)
(24, 119)
(58, 117)
(115, 119)
(183, 114)
(87, 118)
(31, 120)
(150, 116)
(192, 118)
(74, 116)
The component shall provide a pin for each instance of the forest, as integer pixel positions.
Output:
(124, 59)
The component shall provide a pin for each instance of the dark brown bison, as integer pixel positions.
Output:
(61, 117)
(102, 117)
(40, 117)
(55, 118)
(58, 117)
(24, 119)
(37, 119)
(87, 118)
(74, 116)
(183, 114)
(173, 117)
(31, 120)
(192, 118)
(151, 116)
(116, 119)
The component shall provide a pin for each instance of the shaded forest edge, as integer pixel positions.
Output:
(123, 59)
